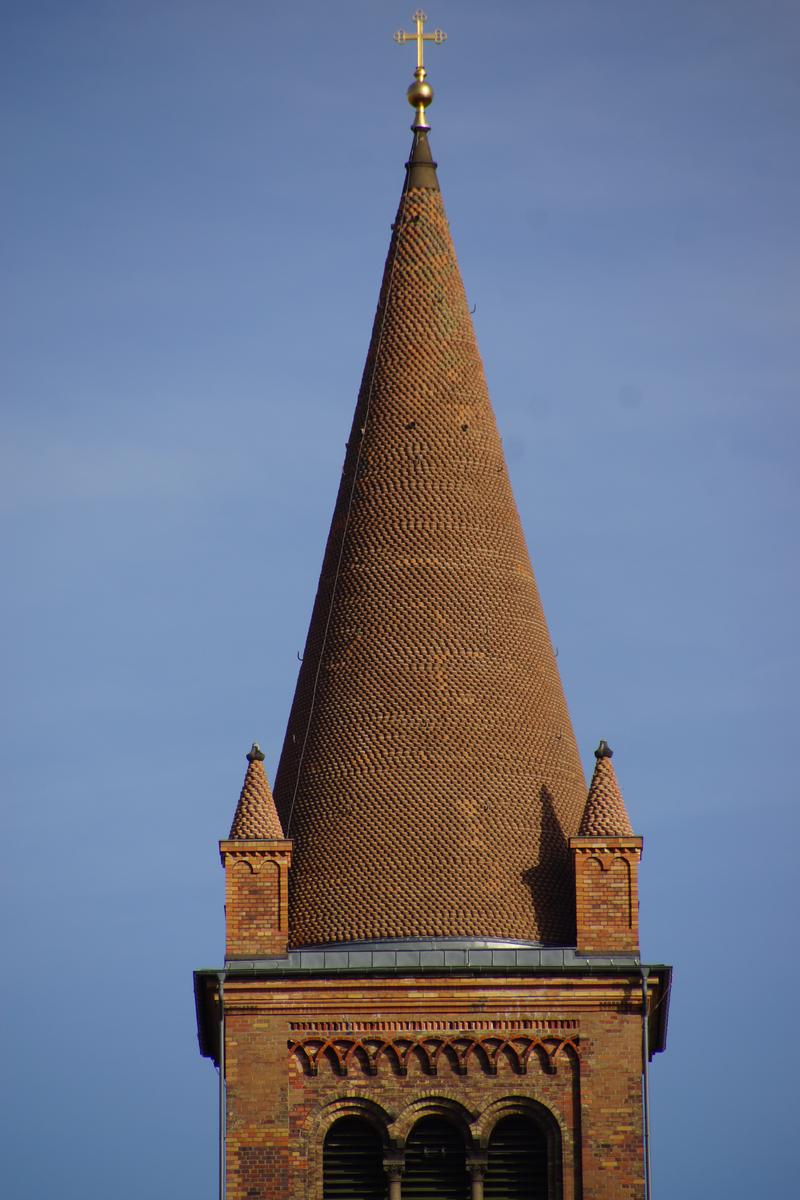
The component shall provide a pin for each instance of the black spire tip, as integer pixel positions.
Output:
(255, 753)
(420, 167)
(604, 751)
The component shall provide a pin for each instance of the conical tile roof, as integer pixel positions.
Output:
(256, 816)
(605, 814)
(429, 775)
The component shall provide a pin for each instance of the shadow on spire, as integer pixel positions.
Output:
(550, 881)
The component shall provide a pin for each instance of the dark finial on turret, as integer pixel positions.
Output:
(604, 751)
(257, 755)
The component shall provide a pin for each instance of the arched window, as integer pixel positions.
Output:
(517, 1168)
(435, 1162)
(352, 1162)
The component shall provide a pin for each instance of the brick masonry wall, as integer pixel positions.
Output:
(258, 1158)
(301, 1053)
(256, 898)
(607, 893)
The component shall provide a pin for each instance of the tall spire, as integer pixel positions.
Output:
(429, 776)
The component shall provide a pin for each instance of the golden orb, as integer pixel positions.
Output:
(420, 94)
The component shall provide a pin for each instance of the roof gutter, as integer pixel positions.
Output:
(223, 1115)
(648, 1182)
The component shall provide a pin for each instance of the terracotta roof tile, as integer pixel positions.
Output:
(256, 815)
(429, 776)
(605, 814)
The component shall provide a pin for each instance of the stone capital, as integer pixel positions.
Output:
(394, 1163)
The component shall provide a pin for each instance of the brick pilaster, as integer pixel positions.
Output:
(607, 892)
(256, 896)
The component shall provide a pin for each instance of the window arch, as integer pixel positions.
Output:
(352, 1162)
(517, 1161)
(435, 1167)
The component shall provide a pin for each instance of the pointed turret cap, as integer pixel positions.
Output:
(605, 814)
(256, 816)
(429, 775)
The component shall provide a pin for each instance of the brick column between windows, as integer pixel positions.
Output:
(394, 1165)
(476, 1165)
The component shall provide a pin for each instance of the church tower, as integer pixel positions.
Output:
(432, 987)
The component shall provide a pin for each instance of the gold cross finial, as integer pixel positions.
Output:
(420, 36)
(420, 93)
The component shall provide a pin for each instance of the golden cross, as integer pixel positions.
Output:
(420, 37)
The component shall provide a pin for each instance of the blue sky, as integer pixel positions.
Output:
(197, 199)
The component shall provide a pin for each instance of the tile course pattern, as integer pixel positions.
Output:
(429, 776)
(605, 814)
(256, 816)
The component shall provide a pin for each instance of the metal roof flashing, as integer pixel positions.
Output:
(424, 956)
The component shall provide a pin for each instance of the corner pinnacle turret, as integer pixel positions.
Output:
(256, 858)
(606, 855)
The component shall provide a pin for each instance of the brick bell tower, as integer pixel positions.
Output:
(432, 987)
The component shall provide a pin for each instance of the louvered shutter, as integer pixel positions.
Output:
(435, 1162)
(517, 1168)
(353, 1162)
